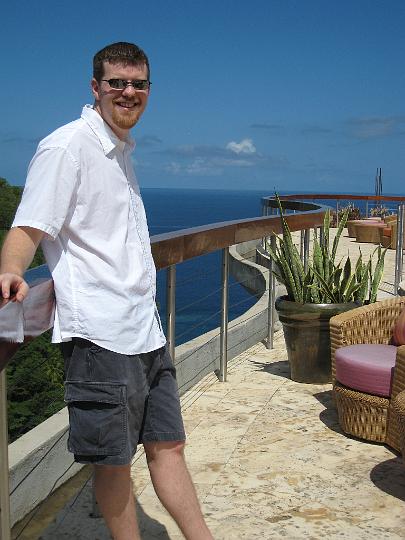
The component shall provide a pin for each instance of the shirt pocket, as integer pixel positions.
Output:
(97, 417)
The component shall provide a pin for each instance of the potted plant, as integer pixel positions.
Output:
(315, 294)
(353, 212)
(379, 211)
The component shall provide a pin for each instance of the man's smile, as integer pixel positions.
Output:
(126, 104)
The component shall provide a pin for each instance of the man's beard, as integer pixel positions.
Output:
(125, 121)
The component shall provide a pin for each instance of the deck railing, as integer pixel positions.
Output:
(394, 204)
(35, 316)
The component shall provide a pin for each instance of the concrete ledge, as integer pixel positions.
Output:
(37, 461)
(245, 267)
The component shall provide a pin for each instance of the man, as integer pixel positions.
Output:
(82, 202)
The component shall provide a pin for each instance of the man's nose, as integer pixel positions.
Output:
(129, 90)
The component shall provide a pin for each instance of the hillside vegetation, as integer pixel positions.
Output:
(35, 374)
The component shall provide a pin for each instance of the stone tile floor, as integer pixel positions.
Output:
(269, 462)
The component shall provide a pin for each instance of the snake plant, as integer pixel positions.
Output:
(325, 281)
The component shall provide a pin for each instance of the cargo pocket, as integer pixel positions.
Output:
(97, 417)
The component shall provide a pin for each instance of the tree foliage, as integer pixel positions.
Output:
(10, 197)
(34, 385)
(35, 375)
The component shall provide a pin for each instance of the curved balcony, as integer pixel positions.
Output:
(38, 460)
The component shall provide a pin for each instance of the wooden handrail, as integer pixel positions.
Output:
(175, 247)
(331, 196)
(167, 249)
(179, 246)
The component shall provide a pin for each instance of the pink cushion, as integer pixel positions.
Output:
(367, 368)
(398, 335)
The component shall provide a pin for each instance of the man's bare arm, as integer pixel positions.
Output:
(17, 253)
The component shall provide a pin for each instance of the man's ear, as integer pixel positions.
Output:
(95, 88)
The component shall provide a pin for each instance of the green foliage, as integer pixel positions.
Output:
(379, 211)
(325, 281)
(34, 385)
(352, 211)
(35, 375)
(10, 197)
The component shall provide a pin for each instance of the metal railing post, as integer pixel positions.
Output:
(302, 237)
(223, 359)
(272, 298)
(366, 208)
(171, 309)
(399, 247)
(337, 213)
(4, 476)
(307, 233)
(265, 212)
(321, 234)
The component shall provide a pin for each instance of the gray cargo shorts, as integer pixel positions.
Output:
(116, 401)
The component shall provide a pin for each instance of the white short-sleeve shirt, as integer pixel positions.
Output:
(82, 191)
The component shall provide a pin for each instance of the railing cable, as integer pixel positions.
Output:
(39, 462)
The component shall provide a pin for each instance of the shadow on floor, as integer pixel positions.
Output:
(280, 368)
(389, 476)
(150, 527)
(329, 415)
(80, 520)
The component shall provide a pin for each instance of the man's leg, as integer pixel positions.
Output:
(116, 500)
(174, 487)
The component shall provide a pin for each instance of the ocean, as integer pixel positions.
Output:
(198, 281)
(198, 291)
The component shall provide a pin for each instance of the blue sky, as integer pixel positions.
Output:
(293, 95)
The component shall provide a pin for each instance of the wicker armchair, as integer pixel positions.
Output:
(388, 236)
(399, 408)
(364, 415)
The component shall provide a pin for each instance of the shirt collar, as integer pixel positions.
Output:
(108, 139)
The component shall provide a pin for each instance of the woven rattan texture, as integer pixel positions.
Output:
(398, 385)
(366, 324)
(398, 407)
(362, 415)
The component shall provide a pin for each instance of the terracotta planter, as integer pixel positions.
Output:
(307, 338)
(351, 225)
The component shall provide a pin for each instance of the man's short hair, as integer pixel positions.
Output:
(119, 53)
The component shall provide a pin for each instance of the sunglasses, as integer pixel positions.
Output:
(121, 84)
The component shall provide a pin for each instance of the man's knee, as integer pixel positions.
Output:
(112, 471)
(164, 449)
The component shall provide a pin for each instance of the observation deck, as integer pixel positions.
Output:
(266, 453)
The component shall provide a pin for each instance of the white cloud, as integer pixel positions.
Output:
(198, 167)
(202, 160)
(373, 127)
(246, 146)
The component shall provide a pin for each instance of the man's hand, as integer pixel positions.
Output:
(17, 253)
(13, 288)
